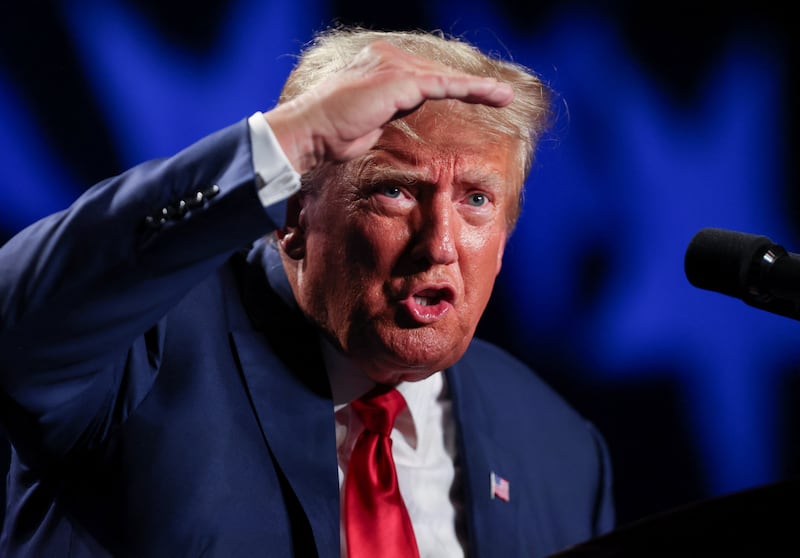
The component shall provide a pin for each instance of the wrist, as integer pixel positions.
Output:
(290, 126)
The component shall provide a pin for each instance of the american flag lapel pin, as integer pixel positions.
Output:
(500, 487)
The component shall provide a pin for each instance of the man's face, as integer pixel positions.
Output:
(401, 247)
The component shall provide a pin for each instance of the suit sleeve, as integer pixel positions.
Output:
(82, 291)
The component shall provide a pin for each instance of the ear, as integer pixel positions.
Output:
(292, 236)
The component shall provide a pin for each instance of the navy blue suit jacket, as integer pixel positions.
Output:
(163, 398)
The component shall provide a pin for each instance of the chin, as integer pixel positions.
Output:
(392, 354)
(413, 367)
(394, 377)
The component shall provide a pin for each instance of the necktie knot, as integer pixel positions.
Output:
(379, 409)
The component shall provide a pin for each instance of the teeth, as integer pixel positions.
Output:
(423, 301)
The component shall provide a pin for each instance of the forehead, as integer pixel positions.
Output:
(430, 145)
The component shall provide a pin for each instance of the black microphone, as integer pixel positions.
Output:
(745, 266)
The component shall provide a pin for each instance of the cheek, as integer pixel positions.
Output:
(486, 250)
(375, 245)
(481, 263)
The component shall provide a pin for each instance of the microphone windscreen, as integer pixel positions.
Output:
(720, 260)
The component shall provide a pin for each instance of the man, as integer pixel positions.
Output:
(180, 370)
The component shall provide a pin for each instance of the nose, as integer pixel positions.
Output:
(437, 233)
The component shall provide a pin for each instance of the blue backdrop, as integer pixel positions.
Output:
(670, 121)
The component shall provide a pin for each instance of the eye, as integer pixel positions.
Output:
(477, 199)
(390, 191)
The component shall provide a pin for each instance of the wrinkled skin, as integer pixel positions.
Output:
(395, 254)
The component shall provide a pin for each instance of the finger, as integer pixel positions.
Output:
(463, 87)
(489, 91)
(433, 80)
(474, 89)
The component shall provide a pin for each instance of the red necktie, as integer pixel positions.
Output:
(375, 517)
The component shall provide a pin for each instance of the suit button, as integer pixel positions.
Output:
(181, 207)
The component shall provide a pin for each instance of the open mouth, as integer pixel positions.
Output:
(430, 304)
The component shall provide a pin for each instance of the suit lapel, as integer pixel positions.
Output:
(285, 375)
(493, 524)
(298, 426)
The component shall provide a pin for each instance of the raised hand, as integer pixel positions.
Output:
(344, 115)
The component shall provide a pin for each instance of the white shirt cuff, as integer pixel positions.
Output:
(276, 178)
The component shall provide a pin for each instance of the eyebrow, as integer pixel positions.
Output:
(373, 170)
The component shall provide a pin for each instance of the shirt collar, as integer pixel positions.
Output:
(349, 383)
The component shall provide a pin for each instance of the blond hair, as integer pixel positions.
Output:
(525, 120)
